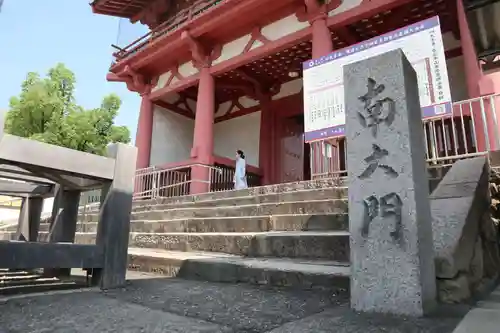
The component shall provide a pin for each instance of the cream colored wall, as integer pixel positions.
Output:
(239, 133)
(172, 137)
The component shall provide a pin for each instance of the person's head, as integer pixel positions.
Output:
(240, 154)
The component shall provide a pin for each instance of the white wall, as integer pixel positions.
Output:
(238, 133)
(456, 76)
(172, 137)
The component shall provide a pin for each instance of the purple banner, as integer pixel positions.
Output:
(373, 42)
(431, 111)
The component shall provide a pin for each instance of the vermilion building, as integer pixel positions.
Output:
(220, 75)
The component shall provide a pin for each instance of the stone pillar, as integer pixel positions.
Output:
(29, 219)
(144, 132)
(203, 140)
(114, 218)
(321, 37)
(392, 256)
(63, 222)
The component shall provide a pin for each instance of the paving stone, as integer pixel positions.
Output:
(92, 312)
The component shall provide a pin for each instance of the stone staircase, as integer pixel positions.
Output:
(292, 235)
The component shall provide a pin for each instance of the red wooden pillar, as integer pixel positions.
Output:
(144, 132)
(321, 37)
(203, 141)
(266, 142)
(317, 14)
(473, 74)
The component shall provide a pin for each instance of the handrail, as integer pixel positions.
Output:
(173, 23)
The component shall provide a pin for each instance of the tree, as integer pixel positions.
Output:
(46, 111)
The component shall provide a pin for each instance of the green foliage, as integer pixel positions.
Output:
(46, 111)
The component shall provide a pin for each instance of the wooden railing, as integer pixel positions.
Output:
(172, 24)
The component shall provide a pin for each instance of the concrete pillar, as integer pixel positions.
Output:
(321, 37)
(114, 219)
(144, 132)
(29, 219)
(203, 140)
(63, 223)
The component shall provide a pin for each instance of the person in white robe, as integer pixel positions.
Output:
(240, 174)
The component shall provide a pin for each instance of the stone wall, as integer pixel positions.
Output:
(466, 215)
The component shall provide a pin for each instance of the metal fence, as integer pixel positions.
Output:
(471, 130)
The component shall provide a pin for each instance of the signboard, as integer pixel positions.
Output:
(422, 44)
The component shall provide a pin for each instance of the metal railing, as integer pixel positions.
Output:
(172, 24)
(222, 178)
(471, 130)
(155, 182)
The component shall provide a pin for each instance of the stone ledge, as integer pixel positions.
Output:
(299, 195)
(219, 267)
(252, 191)
(457, 205)
(335, 206)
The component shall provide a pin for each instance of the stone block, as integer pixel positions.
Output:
(476, 267)
(457, 208)
(454, 290)
(392, 264)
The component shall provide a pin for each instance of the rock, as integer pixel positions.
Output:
(494, 176)
(491, 251)
(488, 228)
(493, 189)
(477, 264)
(454, 290)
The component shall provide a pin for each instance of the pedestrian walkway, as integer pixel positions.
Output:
(156, 304)
(485, 318)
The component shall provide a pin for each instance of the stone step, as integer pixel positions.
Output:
(302, 195)
(305, 222)
(331, 245)
(488, 305)
(277, 188)
(295, 207)
(220, 267)
(335, 206)
(14, 282)
(38, 287)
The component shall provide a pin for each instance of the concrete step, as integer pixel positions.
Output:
(336, 206)
(488, 305)
(253, 191)
(330, 245)
(296, 207)
(302, 195)
(14, 282)
(481, 321)
(220, 267)
(304, 222)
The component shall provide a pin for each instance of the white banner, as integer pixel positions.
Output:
(422, 44)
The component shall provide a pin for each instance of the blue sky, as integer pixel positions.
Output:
(35, 35)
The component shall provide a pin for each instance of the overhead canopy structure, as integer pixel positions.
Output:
(119, 8)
